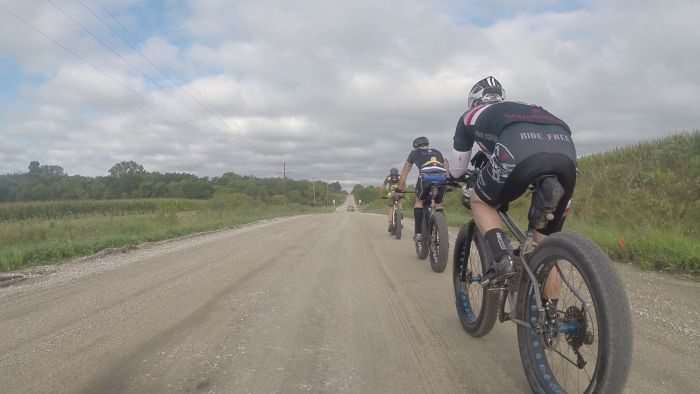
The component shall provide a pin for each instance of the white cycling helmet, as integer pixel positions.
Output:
(488, 90)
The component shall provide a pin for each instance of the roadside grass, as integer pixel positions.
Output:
(70, 208)
(28, 242)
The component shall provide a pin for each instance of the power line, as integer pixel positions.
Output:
(103, 44)
(65, 48)
(195, 97)
(75, 54)
(99, 41)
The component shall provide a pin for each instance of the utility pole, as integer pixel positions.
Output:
(313, 186)
(284, 178)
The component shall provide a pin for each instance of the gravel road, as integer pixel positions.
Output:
(317, 303)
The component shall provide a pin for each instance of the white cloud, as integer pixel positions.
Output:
(339, 91)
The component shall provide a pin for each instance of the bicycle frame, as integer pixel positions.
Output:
(395, 207)
(527, 245)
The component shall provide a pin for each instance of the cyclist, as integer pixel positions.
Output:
(391, 184)
(512, 144)
(427, 160)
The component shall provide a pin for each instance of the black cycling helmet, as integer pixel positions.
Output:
(420, 141)
(394, 172)
(488, 90)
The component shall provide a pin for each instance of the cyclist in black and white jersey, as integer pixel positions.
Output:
(512, 144)
(426, 159)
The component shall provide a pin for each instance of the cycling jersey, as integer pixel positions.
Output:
(485, 123)
(430, 162)
(521, 143)
(426, 157)
(391, 182)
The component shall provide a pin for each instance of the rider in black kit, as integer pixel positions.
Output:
(427, 160)
(391, 184)
(513, 144)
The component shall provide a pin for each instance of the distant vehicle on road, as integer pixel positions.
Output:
(350, 208)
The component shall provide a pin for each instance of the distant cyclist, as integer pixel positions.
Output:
(426, 159)
(391, 184)
(515, 144)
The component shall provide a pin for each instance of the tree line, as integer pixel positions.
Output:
(129, 179)
(366, 194)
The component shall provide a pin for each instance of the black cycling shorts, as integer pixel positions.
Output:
(423, 189)
(524, 152)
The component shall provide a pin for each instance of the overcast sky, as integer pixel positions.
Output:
(337, 89)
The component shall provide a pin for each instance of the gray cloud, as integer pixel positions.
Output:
(338, 92)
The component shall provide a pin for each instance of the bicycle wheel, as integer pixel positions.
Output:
(476, 306)
(398, 224)
(439, 243)
(422, 246)
(587, 342)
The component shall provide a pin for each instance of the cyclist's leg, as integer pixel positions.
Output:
(491, 191)
(562, 164)
(491, 227)
(514, 165)
(485, 216)
(552, 287)
(418, 208)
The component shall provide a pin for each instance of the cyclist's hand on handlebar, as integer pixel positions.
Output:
(464, 178)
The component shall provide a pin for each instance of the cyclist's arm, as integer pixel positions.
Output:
(462, 145)
(404, 174)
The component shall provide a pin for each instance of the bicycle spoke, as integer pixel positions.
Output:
(567, 283)
(473, 265)
(571, 360)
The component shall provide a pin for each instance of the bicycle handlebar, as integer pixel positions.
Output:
(467, 179)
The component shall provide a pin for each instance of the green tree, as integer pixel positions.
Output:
(51, 170)
(335, 187)
(197, 189)
(126, 168)
(34, 168)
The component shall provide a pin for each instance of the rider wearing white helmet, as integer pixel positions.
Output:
(511, 144)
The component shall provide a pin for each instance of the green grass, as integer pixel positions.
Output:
(642, 203)
(41, 240)
(659, 249)
(60, 209)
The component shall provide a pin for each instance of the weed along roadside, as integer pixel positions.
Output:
(40, 240)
